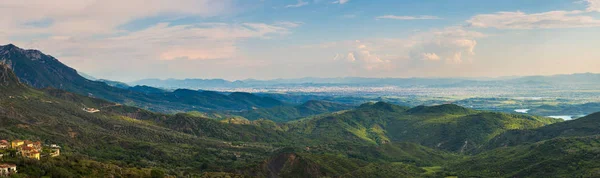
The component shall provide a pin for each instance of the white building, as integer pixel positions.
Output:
(7, 169)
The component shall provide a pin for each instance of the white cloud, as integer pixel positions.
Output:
(593, 5)
(90, 17)
(362, 56)
(340, 1)
(88, 34)
(423, 17)
(520, 20)
(289, 24)
(452, 44)
(166, 42)
(299, 4)
(544, 20)
(430, 56)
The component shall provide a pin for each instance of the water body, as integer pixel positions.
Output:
(566, 118)
(522, 110)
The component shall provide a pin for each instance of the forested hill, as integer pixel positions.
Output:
(290, 113)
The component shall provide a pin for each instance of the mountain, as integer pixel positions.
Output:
(114, 83)
(581, 80)
(87, 76)
(146, 89)
(117, 139)
(566, 109)
(558, 157)
(41, 71)
(289, 113)
(446, 127)
(566, 149)
(374, 140)
(187, 83)
(585, 126)
(125, 141)
(564, 79)
(8, 80)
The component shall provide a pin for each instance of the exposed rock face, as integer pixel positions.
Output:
(36, 68)
(8, 78)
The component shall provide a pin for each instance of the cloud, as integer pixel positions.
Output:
(362, 56)
(289, 24)
(593, 5)
(452, 44)
(423, 17)
(299, 4)
(430, 56)
(89, 34)
(136, 54)
(193, 42)
(88, 17)
(520, 20)
(544, 20)
(340, 1)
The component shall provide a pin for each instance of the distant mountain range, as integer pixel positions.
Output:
(585, 79)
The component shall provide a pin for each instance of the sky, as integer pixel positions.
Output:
(268, 39)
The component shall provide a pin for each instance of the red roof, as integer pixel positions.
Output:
(7, 165)
(3, 141)
(26, 148)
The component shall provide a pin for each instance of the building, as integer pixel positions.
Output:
(16, 143)
(7, 169)
(91, 110)
(37, 145)
(4, 145)
(55, 152)
(30, 152)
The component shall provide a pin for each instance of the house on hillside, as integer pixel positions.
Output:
(29, 152)
(4, 145)
(7, 169)
(54, 150)
(91, 110)
(37, 145)
(16, 143)
(55, 153)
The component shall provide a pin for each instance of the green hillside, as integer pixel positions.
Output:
(446, 127)
(560, 157)
(289, 113)
(112, 139)
(373, 140)
(585, 126)
(142, 142)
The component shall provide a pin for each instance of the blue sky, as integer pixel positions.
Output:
(266, 39)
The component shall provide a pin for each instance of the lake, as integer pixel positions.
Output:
(522, 110)
(566, 118)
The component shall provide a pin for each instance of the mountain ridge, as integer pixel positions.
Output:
(39, 70)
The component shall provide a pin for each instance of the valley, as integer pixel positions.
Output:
(141, 131)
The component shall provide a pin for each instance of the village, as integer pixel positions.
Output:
(26, 149)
